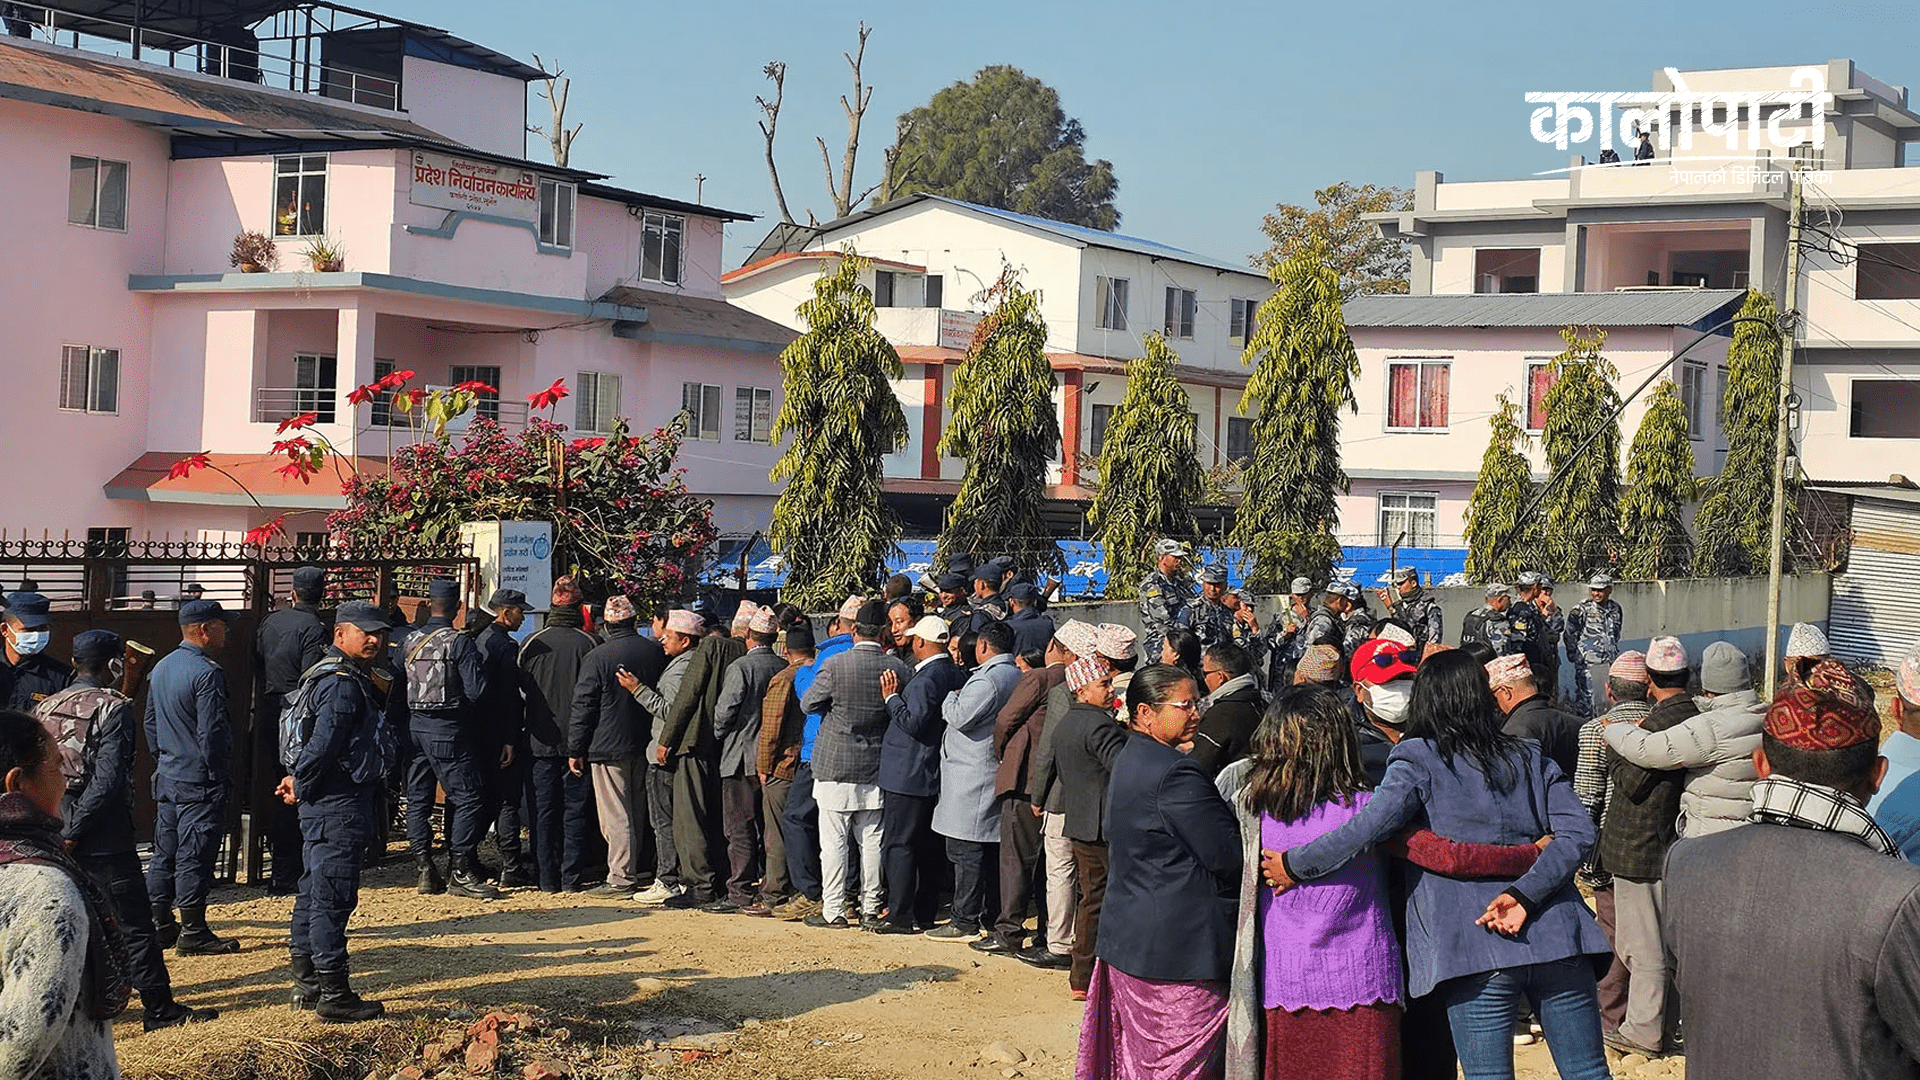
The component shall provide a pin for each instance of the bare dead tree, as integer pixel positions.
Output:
(856, 109)
(560, 137)
(775, 70)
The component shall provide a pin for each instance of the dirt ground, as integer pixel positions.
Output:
(621, 992)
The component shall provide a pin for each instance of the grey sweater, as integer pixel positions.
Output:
(45, 1033)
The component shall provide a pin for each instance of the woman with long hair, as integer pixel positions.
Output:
(1474, 783)
(1181, 649)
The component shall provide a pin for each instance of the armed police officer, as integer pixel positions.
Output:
(445, 681)
(336, 748)
(503, 750)
(92, 721)
(1324, 625)
(1281, 641)
(1164, 595)
(1413, 605)
(1212, 619)
(1488, 624)
(1538, 621)
(987, 605)
(31, 675)
(1356, 622)
(291, 639)
(191, 737)
(1593, 641)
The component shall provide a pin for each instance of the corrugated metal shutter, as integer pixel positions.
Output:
(1872, 619)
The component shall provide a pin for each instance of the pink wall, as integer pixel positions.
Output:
(213, 199)
(484, 111)
(610, 237)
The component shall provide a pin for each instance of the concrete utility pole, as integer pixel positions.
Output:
(1782, 435)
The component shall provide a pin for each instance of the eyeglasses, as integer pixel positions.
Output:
(1184, 706)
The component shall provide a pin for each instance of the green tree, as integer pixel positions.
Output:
(1002, 140)
(1004, 425)
(1659, 482)
(1150, 474)
(831, 522)
(1582, 441)
(1304, 367)
(1366, 260)
(1733, 524)
(1498, 543)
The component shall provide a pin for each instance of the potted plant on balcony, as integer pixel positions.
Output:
(326, 256)
(253, 253)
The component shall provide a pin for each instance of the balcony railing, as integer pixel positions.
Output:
(273, 404)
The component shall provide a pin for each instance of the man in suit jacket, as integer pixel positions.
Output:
(967, 813)
(1084, 743)
(736, 722)
(846, 765)
(910, 777)
(688, 741)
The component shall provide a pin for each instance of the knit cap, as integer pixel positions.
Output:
(1806, 719)
(1807, 640)
(1089, 669)
(1509, 670)
(1666, 655)
(1320, 664)
(1723, 669)
(1631, 666)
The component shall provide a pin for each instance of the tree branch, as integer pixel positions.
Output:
(856, 111)
(775, 70)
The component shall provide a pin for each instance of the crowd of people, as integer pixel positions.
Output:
(1336, 846)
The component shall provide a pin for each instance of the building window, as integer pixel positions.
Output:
(310, 541)
(1098, 417)
(1885, 409)
(664, 238)
(1111, 302)
(1180, 308)
(883, 288)
(97, 193)
(1539, 381)
(380, 410)
(1411, 512)
(701, 404)
(556, 214)
(300, 195)
(108, 542)
(936, 291)
(1506, 270)
(1693, 392)
(488, 405)
(1239, 438)
(1417, 395)
(598, 403)
(89, 379)
(313, 386)
(1887, 272)
(1240, 320)
(752, 413)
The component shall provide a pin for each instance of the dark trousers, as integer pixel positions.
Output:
(186, 842)
(776, 886)
(336, 829)
(800, 828)
(509, 796)
(119, 877)
(1020, 845)
(696, 820)
(1613, 985)
(1091, 861)
(1426, 1040)
(283, 830)
(913, 856)
(740, 817)
(447, 757)
(666, 858)
(974, 866)
(546, 819)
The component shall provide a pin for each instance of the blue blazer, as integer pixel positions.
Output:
(910, 750)
(1173, 868)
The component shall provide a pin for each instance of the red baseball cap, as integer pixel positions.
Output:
(1382, 661)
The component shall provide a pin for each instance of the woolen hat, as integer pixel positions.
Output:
(850, 609)
(618, 609)
(1809, 720)
(1666, 655)
(1087, 669)
(33, 610)
(683, 621)
(1301, 586)
(1170, 546)
(1320, 664)
(1723, 669)
(762, 622)
(1117, 642)
(93, 646)
(1382, 661)
(1631, 666)
(1907, 678)
(931, 628)
(1807, 640)
(1077, 637)
(191, 612)
(799, 637)
(1213, 574)
(365, 616)
(1509, 670)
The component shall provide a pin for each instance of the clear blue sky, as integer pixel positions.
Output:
(1210, 112)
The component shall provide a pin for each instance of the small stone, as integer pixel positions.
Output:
(461, 1015)
(1001, 1052)
(1633, 1061)
(1010, 1072)
(660, 1057)
(541, 1070)
(483, 1054)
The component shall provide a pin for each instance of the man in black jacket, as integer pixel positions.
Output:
(503, 722)
(1233, 708)
(1531, 714)
(910, 778)
(561, 818)
(609, 732)
(1085, 743)
(290, 640)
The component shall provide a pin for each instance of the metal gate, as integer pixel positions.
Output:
(1872, 620)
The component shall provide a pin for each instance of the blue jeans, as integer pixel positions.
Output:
(1482, 1007)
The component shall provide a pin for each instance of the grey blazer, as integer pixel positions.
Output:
(846, 695)
(967, 809)
(736, 717)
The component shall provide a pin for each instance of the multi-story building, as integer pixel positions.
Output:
(934, 259)
(133, 340)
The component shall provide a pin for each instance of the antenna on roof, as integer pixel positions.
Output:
(699, 185)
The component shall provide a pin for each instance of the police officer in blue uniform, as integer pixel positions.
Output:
(1593, 642)
(951, 601)
(1413, 605)
(291, 639)
(192, 741)
(1489, 623)
(1209, 617)
(503, 712)
(339, 761)
(1538, 622)
(1165, 595)
(1031, 629)
(988, 605)
(31, 674)
(444, 680)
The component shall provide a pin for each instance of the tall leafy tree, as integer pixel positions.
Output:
(1582, 441)
(1003, 140)
(1004, 426)
(1150, 474)
(831, 522)
(1304, 367)
(1659, 482)
(1498, 542)
(1733, 524)
(1366, 261)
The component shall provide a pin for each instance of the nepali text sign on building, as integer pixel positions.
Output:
(513, 555)
(455, 183)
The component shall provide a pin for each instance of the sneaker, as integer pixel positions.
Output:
(609, 891)
(797, 909)
(872, 924)
(1624, 1045)
(950, 932)
(656, 894)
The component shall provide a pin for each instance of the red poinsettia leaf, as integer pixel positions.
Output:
(260, 535)
(475, 386)
(186, 465)
(303, 420)
(360, 395)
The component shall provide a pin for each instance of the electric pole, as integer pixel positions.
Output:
(1782, 435)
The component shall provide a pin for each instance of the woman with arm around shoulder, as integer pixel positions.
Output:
(1157, 1005)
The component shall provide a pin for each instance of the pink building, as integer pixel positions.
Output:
(134, 342)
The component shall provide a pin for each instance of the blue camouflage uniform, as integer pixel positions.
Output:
(1593, 644)
(448, 741)
(192, 741)
(1164, 603)
(336, 810)
(1422, 614)
(1487, 625)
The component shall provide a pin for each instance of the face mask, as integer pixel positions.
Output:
(28, 642)
(1389, 701)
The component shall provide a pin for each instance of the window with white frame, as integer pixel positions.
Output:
(380, 410)
(1693, 392)
(663, 240)
(598, 403)
(488, 404)
(752, 413)
(300, 195)
(1417, 394)
(1098, 417)
(1239, 438)
(97, 193)
(883, 283)
(701, 404)
(89, 379)
(1181, 304)
(1110, 302)
(313, 386)
(1240, 320)
(556, 213)
(1539, 381)
(1415, 513)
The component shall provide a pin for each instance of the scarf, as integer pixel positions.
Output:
(1781, 800)
(29, 835)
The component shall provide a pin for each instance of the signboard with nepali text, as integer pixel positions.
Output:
(455, 183)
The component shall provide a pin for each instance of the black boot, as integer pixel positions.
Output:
(159, 1010)
(339, 1004)
(464, 880)
(197, 939)
(306, 986)
(431, 883)
(165, 931)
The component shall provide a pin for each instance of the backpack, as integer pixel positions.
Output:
(1474, 627)
(69, 716)
(429, 669)
(368, 756)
